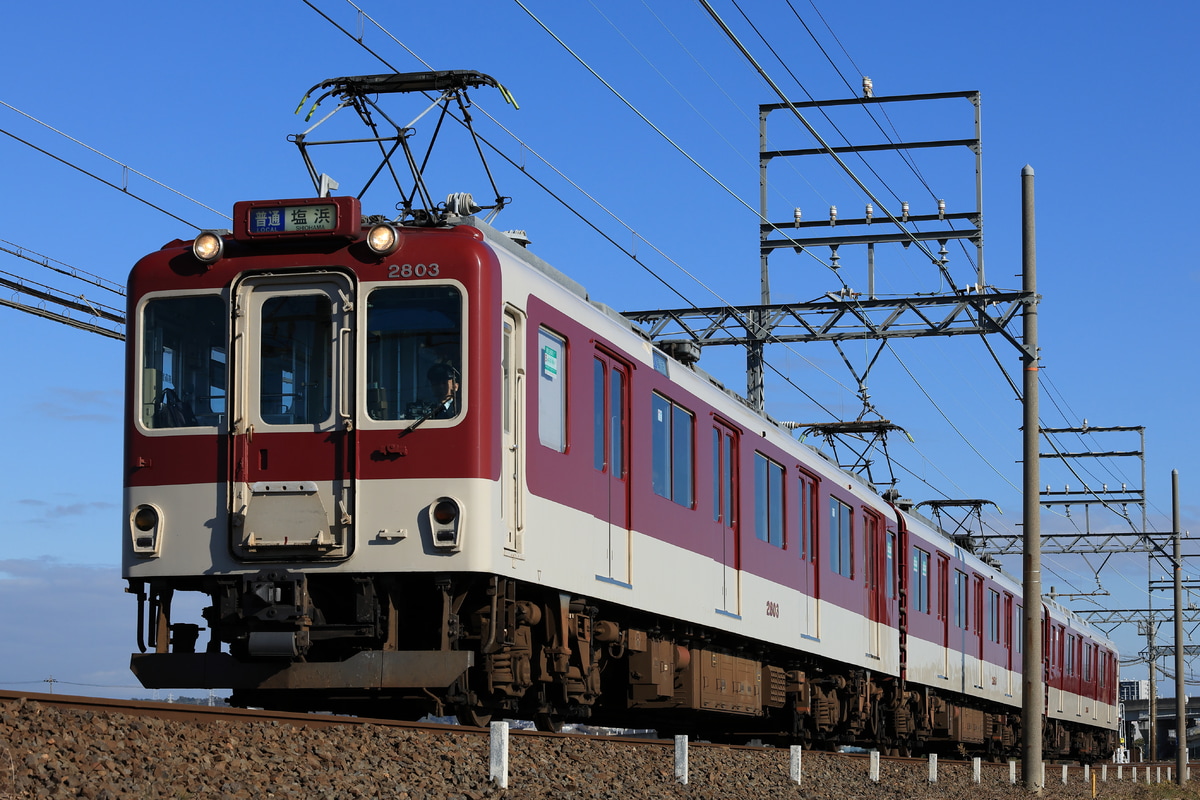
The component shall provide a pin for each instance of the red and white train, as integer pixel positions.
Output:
(566, 524)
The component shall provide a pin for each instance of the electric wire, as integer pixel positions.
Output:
(123, 166)
(653, 126)
(772, 367)
(725, 303)
(92, 175)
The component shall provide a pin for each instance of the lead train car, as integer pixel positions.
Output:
(570, 525)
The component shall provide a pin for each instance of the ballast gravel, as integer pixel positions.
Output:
(48, 752)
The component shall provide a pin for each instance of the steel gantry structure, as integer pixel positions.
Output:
(961, 307)
(845, 314)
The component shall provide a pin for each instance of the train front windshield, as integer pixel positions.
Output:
(183, 362)
(414, 352)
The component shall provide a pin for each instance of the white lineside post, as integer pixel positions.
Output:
(1087, 772)
(933, 767)
(1104, 773)
(498, 755)
(874, 765)
(1064, 774)
(976, 769)
(795, 770)
(1012, 771)
(681, 758)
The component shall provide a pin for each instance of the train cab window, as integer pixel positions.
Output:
(672, 451)
(414, 353)
(768, 500)
(841, 538)
(183, 373)
(920, 581)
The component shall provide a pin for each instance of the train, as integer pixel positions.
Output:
(408, 468)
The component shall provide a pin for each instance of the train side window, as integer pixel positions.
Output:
(672, 451)
(993, 615)
(961, 599)
(768, 500)
(599, 415)
(609, 408)
(414, 335)
(920, 580)
(183, 361)
(1008, 620)
(808, 517)
(552, 390)
(889, 580)
(841, 537)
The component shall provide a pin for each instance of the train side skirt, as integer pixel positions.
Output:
(367, 670)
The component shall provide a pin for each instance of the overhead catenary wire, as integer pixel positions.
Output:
(727, 304)
(642, 116)
(122, 165)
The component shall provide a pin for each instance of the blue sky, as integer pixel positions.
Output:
(1095, 96)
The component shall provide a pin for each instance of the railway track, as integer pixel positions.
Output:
(58, 741)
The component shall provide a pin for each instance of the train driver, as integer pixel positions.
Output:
(444, 384)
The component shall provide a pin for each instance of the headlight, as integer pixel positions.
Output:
(145, 529)
(446, 524)
(208, 247)
(383, 239)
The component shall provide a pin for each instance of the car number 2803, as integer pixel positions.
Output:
(413, 270)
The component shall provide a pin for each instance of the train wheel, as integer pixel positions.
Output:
(552, 723)
(473, 716)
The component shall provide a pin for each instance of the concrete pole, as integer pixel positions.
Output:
(1152, 648)
(1033, 694)
(1181, 751)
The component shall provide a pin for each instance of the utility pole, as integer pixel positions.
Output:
(1152, 708)
(1181, 749)
(1033, 692)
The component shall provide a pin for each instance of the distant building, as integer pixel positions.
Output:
(1133, 690)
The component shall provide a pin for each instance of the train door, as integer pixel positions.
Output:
(943, 609)
(611, 460)
(291, 402)
(874, 573)
(725, 513)
(512, 419)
